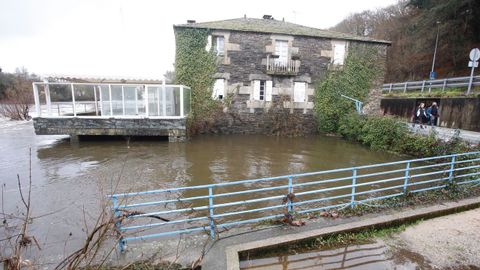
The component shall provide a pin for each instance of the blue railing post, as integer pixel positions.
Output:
(210, 208)
(452, 167)
(407, 176)
(290, 191)
(354, 182)
(118, 223)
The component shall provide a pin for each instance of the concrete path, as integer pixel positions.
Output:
(224, 253)
(446, 134)
(454, 240)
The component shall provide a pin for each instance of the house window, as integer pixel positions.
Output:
(219, 89)
(262, 90)
(281, 50)
(338, 54)
(219, 45)
(299, 90)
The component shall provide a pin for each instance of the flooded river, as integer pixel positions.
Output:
(68, 180)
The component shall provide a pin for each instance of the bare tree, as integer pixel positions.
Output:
(15, 244)
(18, 97)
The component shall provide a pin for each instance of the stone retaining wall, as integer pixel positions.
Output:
(270, 123)
(455, 112)
(278, 119)
(175, 129)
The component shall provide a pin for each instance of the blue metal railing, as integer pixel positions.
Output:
(358, 104)
(219, 206)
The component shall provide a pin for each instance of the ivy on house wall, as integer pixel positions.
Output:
(362, 67)
(195, 67)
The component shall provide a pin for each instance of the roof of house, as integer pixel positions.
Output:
(100, 79)
(275, 27)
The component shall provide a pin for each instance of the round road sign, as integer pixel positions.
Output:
(475, 54)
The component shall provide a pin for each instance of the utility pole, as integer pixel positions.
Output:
(432, 72)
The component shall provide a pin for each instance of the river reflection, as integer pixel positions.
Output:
(363, 256)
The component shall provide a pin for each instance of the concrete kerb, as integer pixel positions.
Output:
(230, 254)
(446, 134)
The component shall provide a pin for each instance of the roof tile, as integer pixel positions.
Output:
(275, 27)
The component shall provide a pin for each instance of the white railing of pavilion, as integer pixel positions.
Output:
(101, 100)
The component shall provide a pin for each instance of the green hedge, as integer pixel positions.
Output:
(391, 134)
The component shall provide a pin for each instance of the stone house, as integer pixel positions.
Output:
(264, 62)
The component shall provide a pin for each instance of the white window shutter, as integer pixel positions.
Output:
(208, 47)
(256, 90)
(268, 91)
(218, 88)
(338, 54)
(299, 92)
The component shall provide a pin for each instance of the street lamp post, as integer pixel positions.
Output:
(432, 72)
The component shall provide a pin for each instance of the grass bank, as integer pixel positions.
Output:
(435, 93)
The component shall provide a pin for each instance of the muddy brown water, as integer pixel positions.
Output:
(68, 180)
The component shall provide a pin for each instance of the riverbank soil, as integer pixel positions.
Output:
(446, 242)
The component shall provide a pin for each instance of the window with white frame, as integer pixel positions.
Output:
(281, 50)
(219, 45)
(299, 91)
(338, 54)
(262, 90)
(219, 89)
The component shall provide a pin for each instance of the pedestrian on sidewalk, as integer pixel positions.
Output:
(432, 113)
(420, 115)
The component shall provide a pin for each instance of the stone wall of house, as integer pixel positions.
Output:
(277, 120)
(175, 129)
(249, 56)
(245, 60)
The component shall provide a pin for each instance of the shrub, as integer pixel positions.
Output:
(391, 134)
(351, 126)
(382, 133)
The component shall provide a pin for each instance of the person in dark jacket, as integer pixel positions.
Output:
(432, 113)
(420, 115)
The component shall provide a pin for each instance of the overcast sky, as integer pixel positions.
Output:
(132, 38)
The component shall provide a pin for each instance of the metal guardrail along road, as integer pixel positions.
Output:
(431, 84)
(216, 207)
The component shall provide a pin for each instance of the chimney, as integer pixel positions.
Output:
(191, 21)
(267, 17)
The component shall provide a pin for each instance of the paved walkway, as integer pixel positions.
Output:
(446, 242)
(224, 253)
(446, 134)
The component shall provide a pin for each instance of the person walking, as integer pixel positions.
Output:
(432, 113)
(420, 115)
